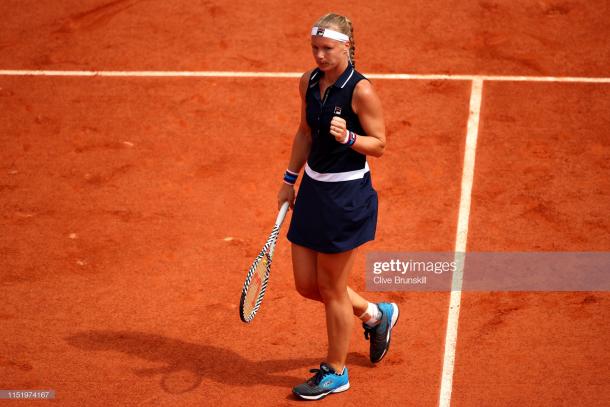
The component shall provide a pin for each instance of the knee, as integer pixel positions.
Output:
(308, 291)
(330, 291)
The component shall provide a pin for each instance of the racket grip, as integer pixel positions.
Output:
(282, 214)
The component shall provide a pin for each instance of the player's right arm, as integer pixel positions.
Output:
(301, 145)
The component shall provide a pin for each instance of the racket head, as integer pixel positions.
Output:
(257, 278)
(255, 286)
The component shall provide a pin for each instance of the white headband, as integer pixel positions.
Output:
(328, 33)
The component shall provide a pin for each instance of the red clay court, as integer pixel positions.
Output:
(143, 144)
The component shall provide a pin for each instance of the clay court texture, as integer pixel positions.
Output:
(142, 148)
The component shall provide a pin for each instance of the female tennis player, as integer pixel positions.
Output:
(335, 210)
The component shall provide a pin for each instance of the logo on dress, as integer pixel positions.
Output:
(337, 109)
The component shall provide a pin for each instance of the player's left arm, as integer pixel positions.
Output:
(367, 106)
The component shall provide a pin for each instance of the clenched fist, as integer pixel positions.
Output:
(338, 128)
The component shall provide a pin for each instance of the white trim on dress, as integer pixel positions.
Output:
(337, 176)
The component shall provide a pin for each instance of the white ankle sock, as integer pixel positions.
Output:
(372, 315)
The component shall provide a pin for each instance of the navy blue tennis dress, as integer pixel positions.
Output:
(336, 206)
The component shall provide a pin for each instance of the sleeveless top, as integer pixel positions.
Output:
(327, 155)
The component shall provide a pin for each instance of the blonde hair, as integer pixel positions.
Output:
(343, 25)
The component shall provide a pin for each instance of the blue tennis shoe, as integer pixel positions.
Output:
(324, 382)
(380, 334)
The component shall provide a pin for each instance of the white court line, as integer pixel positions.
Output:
(461, 239)
(168, 74)
(240, 74)
(506, 78)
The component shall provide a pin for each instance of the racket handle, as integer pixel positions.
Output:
(282, 214)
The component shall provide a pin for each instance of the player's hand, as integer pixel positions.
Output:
(286, 194)
(338, 127)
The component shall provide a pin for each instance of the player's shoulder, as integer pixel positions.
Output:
(307, 75)
(304, 81)
(364, 88)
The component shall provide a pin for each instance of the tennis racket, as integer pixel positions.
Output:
(258, 275)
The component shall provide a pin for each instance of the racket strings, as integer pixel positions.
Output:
(266, 249)
(255, 285)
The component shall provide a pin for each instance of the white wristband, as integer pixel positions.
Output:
(346, 139)
(350, 138)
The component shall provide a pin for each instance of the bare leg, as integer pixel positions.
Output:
(333, 272)
(304, 265)
(359, 304)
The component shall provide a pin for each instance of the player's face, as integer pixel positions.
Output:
(327, 52)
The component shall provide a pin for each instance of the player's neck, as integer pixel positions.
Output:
(332, 75)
